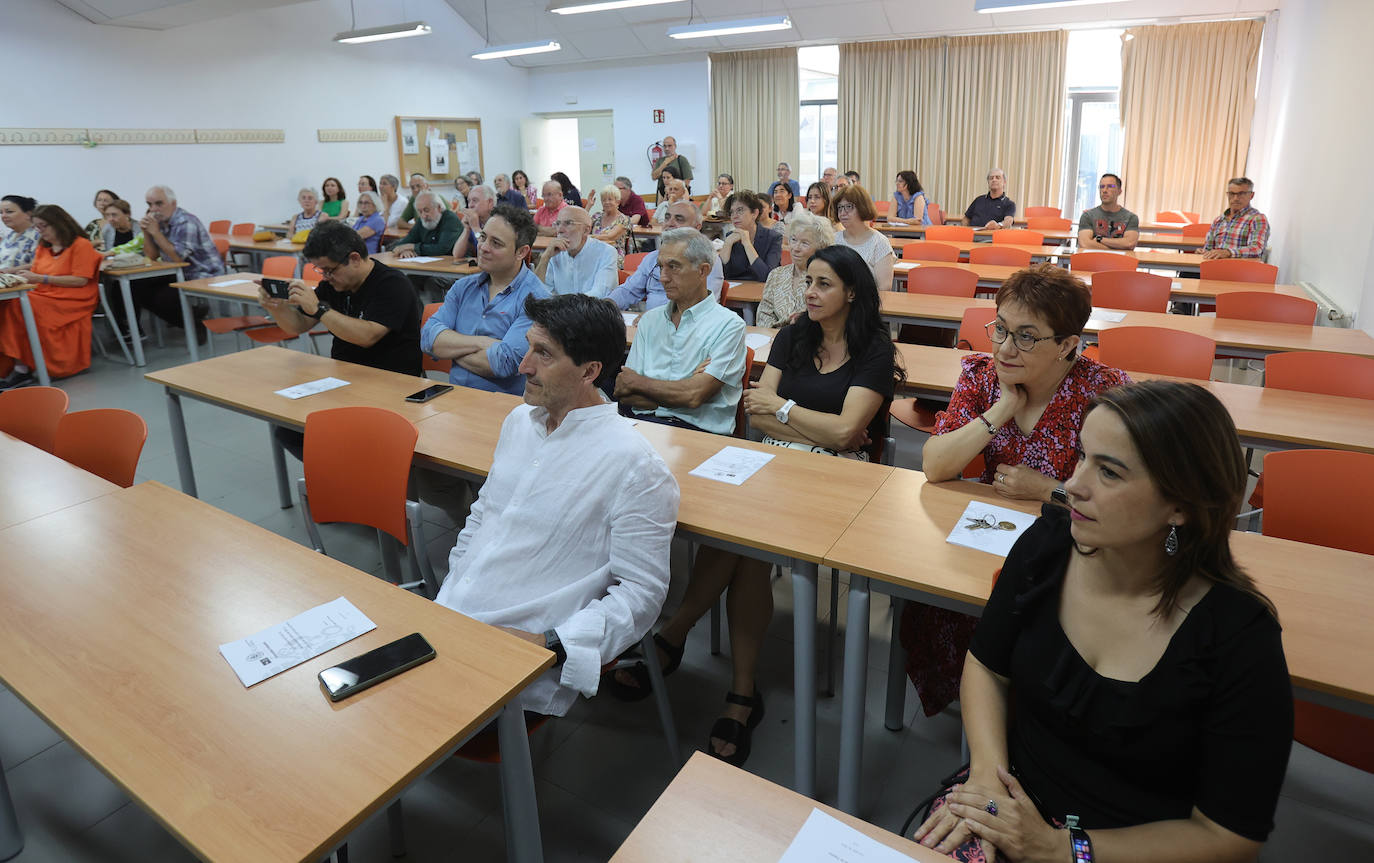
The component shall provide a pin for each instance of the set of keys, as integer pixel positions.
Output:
(988, 522)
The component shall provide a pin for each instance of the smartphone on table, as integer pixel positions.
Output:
(373, 667)
(428, 393)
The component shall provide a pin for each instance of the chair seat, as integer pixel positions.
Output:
(915, 413)
(220, 326)
(268, 335)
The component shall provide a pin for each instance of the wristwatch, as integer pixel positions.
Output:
(1060, 496)
(1079, 843)
(321, 309)
(783, 411)
(554, 643)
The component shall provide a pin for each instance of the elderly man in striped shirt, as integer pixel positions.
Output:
(1241, 231)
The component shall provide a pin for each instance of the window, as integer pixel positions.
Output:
(818, 68)
(1092, 115)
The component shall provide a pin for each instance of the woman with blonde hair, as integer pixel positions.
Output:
(784, 292)
(611, 226)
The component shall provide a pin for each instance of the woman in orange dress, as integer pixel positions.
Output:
(64, 269)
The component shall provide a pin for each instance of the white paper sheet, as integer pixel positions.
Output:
(420, 259)
(826, 839)
(630, 318)
(230, 282)
(286, 645)
(1106, 315)
(990, 539)
(732, 464)
(310, 388)
(410, 138)
(757, 340)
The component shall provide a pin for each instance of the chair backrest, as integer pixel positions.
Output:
(1018, 237)
(279, 267)
(633, 260)
(427, 362)
(1157, 351)
(741, 419)
(343, 488)
(219, 226)
(1002, 256)
(882, 207)
(1320, 372)
(954, 233)
(107, 442)
(1267, 306)
(785, 258)
(1131, 291)
(1239, 270)
(1096, 262)
(32, 413)
(221, 246)
(310, 273)
(244, 229)
(942, 281)
(1048, 223)
(973, 329)
(724, 292)
(1175, 217)
(1045, 212)
(937, 215)
(917, 250)
(1199, 230)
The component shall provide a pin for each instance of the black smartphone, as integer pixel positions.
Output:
(428, 393)
(373, 667)
(277, 288)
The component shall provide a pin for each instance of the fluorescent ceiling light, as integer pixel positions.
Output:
(730, 28)
(516, 50)
(991, 6)
(377, 34)
(571, 7)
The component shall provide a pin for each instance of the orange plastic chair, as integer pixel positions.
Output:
(633, 260)
(1200, 229)
(1239, 270)
(1048, 223)
(337, 488)
(107, 442)
(1044, 212)
(1018, 237)
(1157, 351)
(1131, 291)
(32, 413)
(882, 207)
(1320, 372)
(1002, 256)
(785, 258)
(937, 215)
(244, 229)
(973, 329)
(741, 418)
(222, 246)
(918, 250)
(942, 281)
(1175, 217)
(219, 226)
(1267, 306)
(280, 267)
(1096, 262)
(953, 233)
(426, 361)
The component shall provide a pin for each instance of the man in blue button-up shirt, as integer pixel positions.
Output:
(481, 325)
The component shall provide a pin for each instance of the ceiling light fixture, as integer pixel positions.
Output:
(988, 7)
(569, 7)
(497, 51)
(378, 34)
(731, 28)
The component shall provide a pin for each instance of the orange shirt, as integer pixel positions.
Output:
(79, 259)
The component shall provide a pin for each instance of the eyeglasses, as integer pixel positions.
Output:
(844, 208)
(997, 334)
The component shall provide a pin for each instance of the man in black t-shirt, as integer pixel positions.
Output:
(995, 209)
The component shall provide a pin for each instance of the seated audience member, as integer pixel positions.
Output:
(784, 292)
(436, 228)
(121, 233)
(645, 284)
(1240, 231)
(714, 206)
(631, 204)
(507, 195)
(908, 200)
(371, 309)
(17, 247)
(474, 178)
(839, 182)
(481, 201)
(553, 203)
(671, 165)
(828, 177)
(784, 203)
(171, 234)
(95, 228)
(686, 366)
(574, 263)
(828, 378)
(370, 223)
(310, 213)
(66, 271)
(854, 208)
(766, 219)
(611, 226)
(676, 191)
(785, 179)
(591, 588)
(520, 182)
(853, 177)
(570, 193)
(1127, 679)
(335, 203)
(418, 184)
(1110, 226)
(366, 183)
(749, 252)
(459, 199)
(393, 204)
(818, 202)
(1020, 409)
(995, 209)
(481, 324)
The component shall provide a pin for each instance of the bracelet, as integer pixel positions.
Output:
(991, 429)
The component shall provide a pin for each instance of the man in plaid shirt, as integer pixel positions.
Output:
(1241, 231)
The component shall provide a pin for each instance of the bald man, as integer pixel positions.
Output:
(645, 286)
(574, 263)
(671, 165)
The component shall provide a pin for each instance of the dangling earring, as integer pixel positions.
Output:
(1171, 542)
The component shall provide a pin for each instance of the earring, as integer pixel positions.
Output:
(1171, 542)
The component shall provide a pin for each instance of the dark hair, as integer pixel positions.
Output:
(669, 172)
(586, 328)
(853, 175)
(747, 198)
(913, 185)
(122, 205)
(825, 195)
(791, 198)
(23, 202)
(59, 220)
(1120, 184)
(562, 179)
(520, 222)
(518, 173)
(106, 192)
(371, 183)
(727, 177)
(334, 240)
(864, 324)
(343, 196)
(1188, 443)
(1053, 293)
(859, 197)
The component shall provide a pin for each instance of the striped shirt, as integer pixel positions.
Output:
(1244, 234)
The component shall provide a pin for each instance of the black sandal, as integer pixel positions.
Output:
(640, 672)
(733, 731)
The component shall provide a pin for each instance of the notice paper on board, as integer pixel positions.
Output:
(733, 464)
(826, 839)
(991, 528)
(286, 645)
(310, 388)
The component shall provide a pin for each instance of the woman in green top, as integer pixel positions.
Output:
(335, 204)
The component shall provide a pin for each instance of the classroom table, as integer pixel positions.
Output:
(1147, 239)
(272, 772)
(21, 293)
(446, 266)
(233, 287)
(1179, 262)
(260, 250)
(715, 813)
(38, 482)
(127, 275)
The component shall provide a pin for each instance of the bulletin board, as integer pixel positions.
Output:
(462, 138)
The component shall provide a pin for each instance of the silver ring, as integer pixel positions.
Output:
(991, 808)
(1002, 478)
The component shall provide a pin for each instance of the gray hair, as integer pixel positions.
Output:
(501, 177)
(626, 181)
(418, 174)
(611, 191)
(308, 190)
(686, 203)
(1234, 181)
(785, 165)
(431, 193)
(809, 225)
(375, 198)
(166, 192)
(392, 179)
(474, 177)
(485, 190)
(696, 248)
(997, 171)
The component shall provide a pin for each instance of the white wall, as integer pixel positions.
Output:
(1310, 149)
(276, 69)
(681, 87)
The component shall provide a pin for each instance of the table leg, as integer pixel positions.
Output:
(855, 693)
(11, 837)
(804, 577)
(523, 844)
(177, 421)
(188, 320)
(131, 315)
(896, 672)
(40, 366)
(279, 467)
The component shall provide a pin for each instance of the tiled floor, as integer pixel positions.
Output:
(599, 769)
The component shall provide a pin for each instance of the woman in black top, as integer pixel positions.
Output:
(1126, 670)
(750, 252)
(570, 192)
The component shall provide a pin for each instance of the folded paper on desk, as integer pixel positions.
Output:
(826, 839)
(310, 388)
(286, 645)
(421, 259)
(230, 282)
(757, 340)
(732, 464)
(1104, 315)
(630, 318)
(991, 528)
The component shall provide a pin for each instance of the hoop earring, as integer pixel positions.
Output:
(1171, 542)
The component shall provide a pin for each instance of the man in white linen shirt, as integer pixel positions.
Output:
(567, 544)
(575, 264)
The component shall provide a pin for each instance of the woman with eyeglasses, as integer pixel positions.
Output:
(853, 209)
(1020, 409)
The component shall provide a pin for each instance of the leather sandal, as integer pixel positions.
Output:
(733, 731)
(642, 687)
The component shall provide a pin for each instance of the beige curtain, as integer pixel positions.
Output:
(1187, 98)
(755, 117)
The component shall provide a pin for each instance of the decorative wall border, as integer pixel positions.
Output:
(94, 137)
(240, 136)
(141, 136)
(338, 136)
(42, 136)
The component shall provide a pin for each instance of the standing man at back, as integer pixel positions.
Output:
(1240, 231)
(672, 163)
(993, 210)
(1109, 227)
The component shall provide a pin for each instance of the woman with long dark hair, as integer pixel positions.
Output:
(570, 192)
(908, 200)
